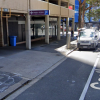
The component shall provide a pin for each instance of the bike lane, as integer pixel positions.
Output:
(93, 92)
(66, 82)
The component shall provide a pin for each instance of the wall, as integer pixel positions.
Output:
(54, 10)
(14, 5)
(72, 2)
(63, 10)
(37, 5)
(71, 13)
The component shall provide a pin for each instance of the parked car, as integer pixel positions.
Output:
(87, 39)
(61, 27)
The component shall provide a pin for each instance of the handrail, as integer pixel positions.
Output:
(6, 14)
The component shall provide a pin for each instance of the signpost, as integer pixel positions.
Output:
(39, 12)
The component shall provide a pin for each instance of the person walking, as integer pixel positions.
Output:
(72, 33)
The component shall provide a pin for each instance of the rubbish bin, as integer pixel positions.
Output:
(12, 40)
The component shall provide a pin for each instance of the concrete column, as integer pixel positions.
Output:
(55, 30)
(67, 6)
(58, 28)
(59, 2)
(52, 28)
(1, 32)
(67, 35)
(28, 34)
(63, 28)
(47, 29)
(47, 0)
(67, 26)
(36, 31)
(73, 24)
(73, 7)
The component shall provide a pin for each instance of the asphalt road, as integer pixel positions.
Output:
(77, 78)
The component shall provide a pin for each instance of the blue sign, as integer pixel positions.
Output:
(47, 12)
(39, 12)
(77, 12)
(5, 10)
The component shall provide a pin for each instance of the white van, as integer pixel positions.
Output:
(87, 39)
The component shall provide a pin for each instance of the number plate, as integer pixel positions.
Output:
(84, 46)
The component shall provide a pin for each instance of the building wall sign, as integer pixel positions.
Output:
(39, 12)
(5, 10)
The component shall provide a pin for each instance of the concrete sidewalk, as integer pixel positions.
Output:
(26, 65)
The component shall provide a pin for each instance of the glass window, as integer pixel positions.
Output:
(87, 34)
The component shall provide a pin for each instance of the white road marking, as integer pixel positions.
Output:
(1, 57)
(89, 80)
(93, 85)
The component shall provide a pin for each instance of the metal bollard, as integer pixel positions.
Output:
(68, 41)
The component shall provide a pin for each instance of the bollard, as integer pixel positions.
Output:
(68, 41)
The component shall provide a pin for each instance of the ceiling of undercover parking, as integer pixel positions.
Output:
(53, 1)
(56, 2)
(38, 18)
(63, 3)
(51, 19)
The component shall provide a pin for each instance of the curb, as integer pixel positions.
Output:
(22, 88)
(9, 92)
(13, 88)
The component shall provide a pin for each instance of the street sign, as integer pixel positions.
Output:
(39, 12)
(5, 10)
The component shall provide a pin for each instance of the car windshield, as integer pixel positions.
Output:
(87, 34)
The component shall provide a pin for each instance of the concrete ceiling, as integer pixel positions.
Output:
(53, 1)
(56, 2)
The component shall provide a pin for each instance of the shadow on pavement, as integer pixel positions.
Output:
(9, 50)
(53, 45)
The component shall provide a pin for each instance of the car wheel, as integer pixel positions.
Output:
(79, 49)
(94, 46)
(97, 45)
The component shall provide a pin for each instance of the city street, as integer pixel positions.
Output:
(45, 50)
(76, 78)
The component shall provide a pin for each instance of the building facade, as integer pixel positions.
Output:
(16, 19)
(88, 22)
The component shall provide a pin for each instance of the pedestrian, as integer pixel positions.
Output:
(78, 31)
(72, 33)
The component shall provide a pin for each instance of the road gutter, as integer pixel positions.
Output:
(36, 79)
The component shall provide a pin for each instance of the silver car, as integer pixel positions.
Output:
(87, 39)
